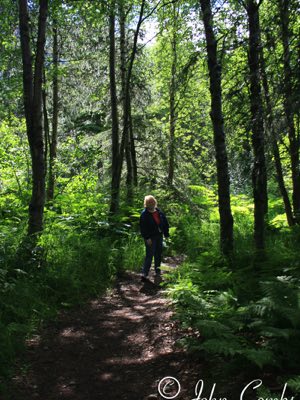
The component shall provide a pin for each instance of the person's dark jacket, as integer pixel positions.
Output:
(149, 227)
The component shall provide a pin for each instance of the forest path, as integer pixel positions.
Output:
(118, 346)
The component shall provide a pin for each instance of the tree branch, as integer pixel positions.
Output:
(156, 7)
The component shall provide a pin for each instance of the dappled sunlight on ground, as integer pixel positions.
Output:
(117, 347)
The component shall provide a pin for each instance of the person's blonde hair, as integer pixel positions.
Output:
(149, 198)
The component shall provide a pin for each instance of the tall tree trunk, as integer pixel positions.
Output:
(127, 141)
(289, 105)
(259, 174)
(281, 184)
(53, 141)
(125, 98)
(116, 162)
(226, 219)
(172, 106)
(275, 148)
(46, 125)
(133, 151)
(129, 162)
(32, 84)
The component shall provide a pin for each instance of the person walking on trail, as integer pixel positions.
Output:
(153, 225)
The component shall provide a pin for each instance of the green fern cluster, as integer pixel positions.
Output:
(220, 324)
(264, 332)
(294, 383)
(276, 318)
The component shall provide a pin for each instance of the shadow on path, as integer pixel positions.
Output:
(116, 347)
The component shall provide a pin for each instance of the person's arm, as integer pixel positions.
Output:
(143, 227)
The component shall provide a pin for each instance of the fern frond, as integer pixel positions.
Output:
(213, 329)
(225, 347)
(294, 384)
(260, 357)
(272, 332)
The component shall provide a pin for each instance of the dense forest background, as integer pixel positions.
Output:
(195, 102)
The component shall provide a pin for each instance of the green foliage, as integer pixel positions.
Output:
(294, 383)
(191, 233)
(238, 310)
(133, 250)
(244, 309)
(77, 257)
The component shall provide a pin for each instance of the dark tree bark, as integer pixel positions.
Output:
(127, 138)
(55, 111)
(172, 105)
(32, 84)
(126, 74)
(289, 105)
(259, 174)
(275, 149)
(226, 219)
(127, 146)
(125, 99)
(133, 150)
(281, 184)
(129, 162)
(46, 125)
(116, 158)
(27, 63)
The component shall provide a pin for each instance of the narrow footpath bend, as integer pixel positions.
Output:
(116, 347)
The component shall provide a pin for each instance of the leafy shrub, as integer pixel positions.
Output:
(241, 309)
(133, 252)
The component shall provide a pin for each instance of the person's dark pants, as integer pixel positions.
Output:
(153, 250)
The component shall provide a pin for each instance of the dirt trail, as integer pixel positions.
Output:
(116, 347)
